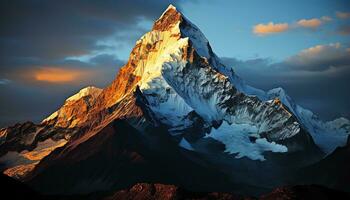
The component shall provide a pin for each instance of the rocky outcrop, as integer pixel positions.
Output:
(149, 191)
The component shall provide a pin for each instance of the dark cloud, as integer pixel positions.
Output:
(320, 58)
(4, 81)
(318, 82)
(55, 29)
(344, 30)
(107, 60)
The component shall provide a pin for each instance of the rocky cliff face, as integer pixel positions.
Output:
(173, 114)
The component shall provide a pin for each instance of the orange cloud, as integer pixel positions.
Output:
(265, 29)
(58, 75)
(309, 23)
(343, 15)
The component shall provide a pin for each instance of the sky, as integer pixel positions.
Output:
(51, 49)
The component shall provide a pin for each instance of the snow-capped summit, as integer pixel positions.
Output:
(170, 7)
(179, 74)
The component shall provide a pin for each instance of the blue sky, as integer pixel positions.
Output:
(228, 26)
(302, 46)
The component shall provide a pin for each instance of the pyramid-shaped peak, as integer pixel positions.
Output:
(171, 6)
(169, 17)
(170, 9)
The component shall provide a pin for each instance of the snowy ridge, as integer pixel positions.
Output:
(164, 101)
(87, 91)
(327, 135)
(90, 90)
(51, 117)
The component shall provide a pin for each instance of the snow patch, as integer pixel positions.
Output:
(51, 117)
(185, 144)
(236, 139)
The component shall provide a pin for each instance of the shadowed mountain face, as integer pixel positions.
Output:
(176, 115)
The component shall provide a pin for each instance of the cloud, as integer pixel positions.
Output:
(270, 28)
(309, 23)
(326, 18)
(320, 58)
(313, 23)
(43, 95)
(106, 60)
(59, 75)
(343, 15)
(344, 30)
(98, 70)
(4, 81)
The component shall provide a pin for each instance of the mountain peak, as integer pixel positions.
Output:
(171, 6)
(170, 17)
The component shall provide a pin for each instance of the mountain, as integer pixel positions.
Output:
(174, 114)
